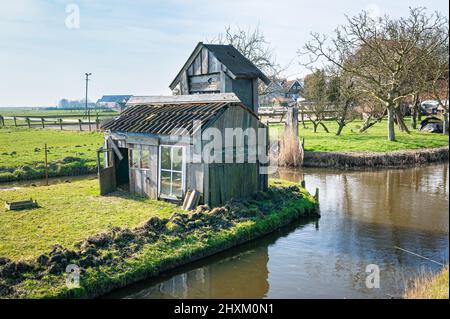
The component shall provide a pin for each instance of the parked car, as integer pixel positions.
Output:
(431, 125)
(429, 107)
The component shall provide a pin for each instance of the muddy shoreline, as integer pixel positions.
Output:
(370, 160)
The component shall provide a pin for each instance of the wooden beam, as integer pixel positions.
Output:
(161, 99)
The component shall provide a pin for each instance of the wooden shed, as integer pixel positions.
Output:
(156, 147)
(217, 68)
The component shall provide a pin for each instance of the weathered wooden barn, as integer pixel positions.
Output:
(156, 147)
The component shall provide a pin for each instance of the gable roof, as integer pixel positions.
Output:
(287, 85)
(114, 99)
(168, 118)
(229, 56)
(234, 60)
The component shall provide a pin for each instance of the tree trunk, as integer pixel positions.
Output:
(415, 112)
(445, 122)
(400, 121)
(324, 127)
(390, 126)
(340, 128)
(315, 124)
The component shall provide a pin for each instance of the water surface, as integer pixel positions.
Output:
(366, 218)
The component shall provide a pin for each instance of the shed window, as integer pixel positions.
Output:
(139, 157)
(134, 158)
(172, 168)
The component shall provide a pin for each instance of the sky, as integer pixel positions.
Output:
(137, 47)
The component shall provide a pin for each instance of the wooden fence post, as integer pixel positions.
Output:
(60, 124)
(81, 126)
(15, 122)
(2, 120)
(89, 119)
(28, 122)
(43, 122)
(46, 164)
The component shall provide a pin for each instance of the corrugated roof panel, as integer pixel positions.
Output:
(166, 119)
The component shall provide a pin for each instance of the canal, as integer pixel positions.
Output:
(380, 218)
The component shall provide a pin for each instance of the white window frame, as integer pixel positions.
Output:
(137, 150)
(171, 170)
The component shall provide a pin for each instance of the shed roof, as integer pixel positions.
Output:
(234, 60)
(229, 56)
(168, 119)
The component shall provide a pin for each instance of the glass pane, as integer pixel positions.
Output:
(165, 183)
(134, 158)
(177, 189)
(145, 159)
(177, 159)
(165, 157)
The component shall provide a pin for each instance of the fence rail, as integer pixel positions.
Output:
(55, 121)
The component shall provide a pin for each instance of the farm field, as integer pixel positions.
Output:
(372, 140)
(74, 153)
(22, 152)
(43, 112)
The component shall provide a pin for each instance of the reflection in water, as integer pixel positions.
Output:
(365, 215)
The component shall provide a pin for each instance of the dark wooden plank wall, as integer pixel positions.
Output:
(224, 181)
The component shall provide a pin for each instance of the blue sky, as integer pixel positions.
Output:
(137, 47)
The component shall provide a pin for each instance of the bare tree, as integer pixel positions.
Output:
(343, 96)
(253, 45)
(381, 54)
(316, 92)
(373, 111)
(438, 78)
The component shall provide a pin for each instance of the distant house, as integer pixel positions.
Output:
(155, 148)
(115, 102)
(281, 93)
(292, 89)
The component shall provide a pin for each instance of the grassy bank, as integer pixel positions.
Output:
(430, 287)
(68, 213)
(22, 153)
(121, 252)
(373, 140)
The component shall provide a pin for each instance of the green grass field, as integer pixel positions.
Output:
(74, 153)
(373, 140)
(22, 152)
(68, 213)
(43, 112)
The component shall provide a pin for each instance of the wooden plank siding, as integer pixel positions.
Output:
(224, 181)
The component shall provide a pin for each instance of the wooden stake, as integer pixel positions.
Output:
(46, 165)
(89, 119)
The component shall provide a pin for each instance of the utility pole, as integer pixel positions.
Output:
(86, 99)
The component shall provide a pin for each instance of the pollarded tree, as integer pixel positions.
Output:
(316, 92)
(437, 84)
(343, 97)
(381, 54)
